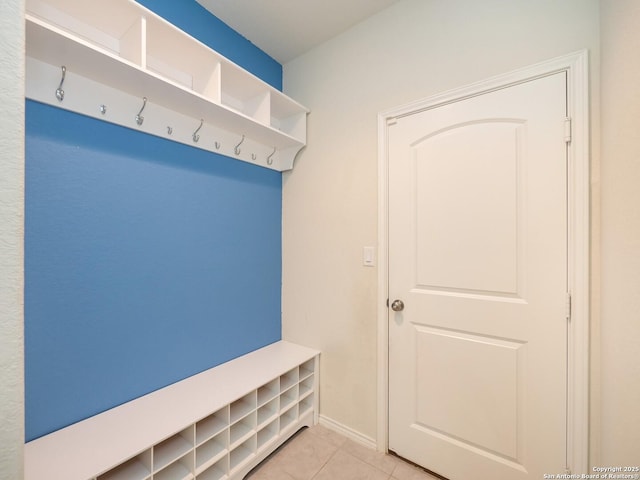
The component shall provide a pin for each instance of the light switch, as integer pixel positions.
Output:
(369, 256)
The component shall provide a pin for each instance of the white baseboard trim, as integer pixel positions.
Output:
(347, 432)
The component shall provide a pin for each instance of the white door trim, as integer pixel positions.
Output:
(577, 68)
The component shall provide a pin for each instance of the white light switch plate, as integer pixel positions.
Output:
(369, 256)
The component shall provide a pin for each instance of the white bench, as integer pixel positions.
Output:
(218, 424)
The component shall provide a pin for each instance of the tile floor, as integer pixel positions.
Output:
(318, 453)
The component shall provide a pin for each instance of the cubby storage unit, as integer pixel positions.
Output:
(126, 65)
(216, 425)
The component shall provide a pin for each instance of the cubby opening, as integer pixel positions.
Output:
(289, 398)
(307, 369)
(136, 468)
(198, 71)
(118, 29)
(211, 451)
(305, 405)
(288, 117)
(268, 391)
(305, 387)
(218, 471)
(242, 429)
(242, 407)
(172, 448)
(267, 434)
(182, 469)
(288, 418)
(289, 379)
(267, 412)
(242, 453)
(245, 94)
(212, 425)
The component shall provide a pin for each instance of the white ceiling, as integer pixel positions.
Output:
(286, 29)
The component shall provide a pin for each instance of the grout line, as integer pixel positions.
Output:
(328, 459)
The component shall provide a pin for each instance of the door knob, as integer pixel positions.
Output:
(397, 305)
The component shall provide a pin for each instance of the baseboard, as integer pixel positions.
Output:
(347, 432)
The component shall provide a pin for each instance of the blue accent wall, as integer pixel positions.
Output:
(146, 261)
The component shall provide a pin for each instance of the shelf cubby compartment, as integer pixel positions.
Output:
(289, 379)
(240, 455)
(118, 30)
(307, 369)
(181, 469)
(289, 117)
(288, 419)
(242, 407)
(172, 448)
(268, 391)
(305, 405)
(217, 471)
(289, 398)
(212, 425)
(245, 93)
(137, 468)
(199, 71)
(267, 412)
(211, 452)
(305, 387)
(267, 435)
(242, 430)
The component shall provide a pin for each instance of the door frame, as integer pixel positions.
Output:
(578, 177)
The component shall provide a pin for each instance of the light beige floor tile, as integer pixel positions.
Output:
(269, 470)
(319, 453)
(304, 456)
(406, 471)
(329, 435)
(343, 466)
(386, 463)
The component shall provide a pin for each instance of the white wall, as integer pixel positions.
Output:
(11, 238)
(412, 50)
(620, 222)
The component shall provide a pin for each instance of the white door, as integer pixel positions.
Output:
(478, 256)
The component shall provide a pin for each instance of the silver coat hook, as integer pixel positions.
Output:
(139, 117)
(195, 135)
(270, 157)
(236, 149)
(59, 90)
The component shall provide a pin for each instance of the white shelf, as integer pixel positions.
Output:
(172, 449)
(288, 419)
(242, 407)
(289, 379)
(242, 430)
(212, 425)
(289, 398)
(235, 415)
(180, 470)
(241, 455)
(211, 452)
(268, 392)
(267, 435)
(118, 52)
(267, 412)
(135, 469)
(216, 472)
